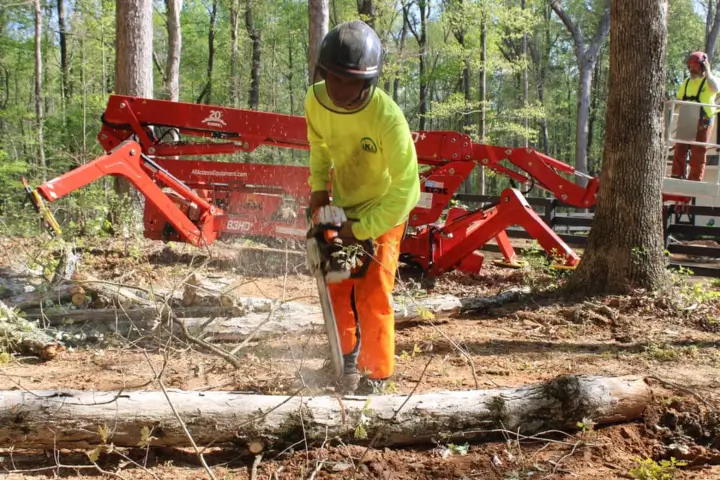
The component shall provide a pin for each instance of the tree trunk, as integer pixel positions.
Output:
(64, 76)
(71, 419)
(583, 115)
(133, 57)
(172, 70)
(625, 245)
(540, 57)
(465, 119)
(712, 28)
(38, 89)
(483, 92)
(290, 76)
(593, 163)
(206, 94)
(400, 50)
(586, 59)
(234, 75)
(255, 38)
(526, 84)
(422, 43)
(366, 9)
(319, 17)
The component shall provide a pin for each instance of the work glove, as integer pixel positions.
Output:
(330, 215)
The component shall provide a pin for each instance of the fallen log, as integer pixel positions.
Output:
(62, 293)
(105, 293)
(197, 291)
(250, 315)
(21, 336)
(483, 304)
(73, 419)
(138, 316)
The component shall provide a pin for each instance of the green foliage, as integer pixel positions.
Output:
(454, 33)
(649, 469)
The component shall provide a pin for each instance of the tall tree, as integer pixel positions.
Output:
(172, 69)
(65, 77)
(540, 49)
(400, 50)
(256, 41)
(367, 11)
(586, 58)
(133, 56)
(319, 18)
(625, 246)
(712, 26)
(38, 88)
(419, 30)
(482, 126)
(206, 94)
(234, 58)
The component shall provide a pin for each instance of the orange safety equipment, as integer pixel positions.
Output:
(365, 305)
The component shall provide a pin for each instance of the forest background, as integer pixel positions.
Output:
(508, 72)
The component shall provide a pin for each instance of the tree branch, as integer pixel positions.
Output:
(567, 21)
(159, 67)
(600, 35)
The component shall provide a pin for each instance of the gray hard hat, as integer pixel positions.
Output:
(352, 49)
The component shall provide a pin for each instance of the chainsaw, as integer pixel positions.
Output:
(329, 261)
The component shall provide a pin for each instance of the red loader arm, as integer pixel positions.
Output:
(441, 147)
(127, 160)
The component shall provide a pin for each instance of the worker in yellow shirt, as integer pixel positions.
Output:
(358, 131)
(700, 87)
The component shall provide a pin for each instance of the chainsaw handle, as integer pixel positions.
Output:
(330, 232)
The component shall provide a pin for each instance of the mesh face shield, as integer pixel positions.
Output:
(352, 100)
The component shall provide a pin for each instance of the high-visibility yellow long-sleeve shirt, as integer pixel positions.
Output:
(372, 155)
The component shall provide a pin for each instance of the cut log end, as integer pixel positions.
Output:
(256, 446)
(77, 299)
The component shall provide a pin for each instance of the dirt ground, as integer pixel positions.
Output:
(676, 341)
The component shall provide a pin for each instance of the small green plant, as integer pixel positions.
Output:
(405, 355)
(586, 425)
(363, 421)
(649, 469)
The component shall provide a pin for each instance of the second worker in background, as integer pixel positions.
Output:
(701, 87)
(361, 133)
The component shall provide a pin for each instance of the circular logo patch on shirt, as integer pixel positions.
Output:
(368, 145)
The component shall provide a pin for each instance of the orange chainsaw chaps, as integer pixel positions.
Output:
(373, 303)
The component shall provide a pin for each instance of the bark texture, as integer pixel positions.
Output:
(172, 70)
(39, 116)
(72, 419)
(255, 36)
(625, 246)
(134, 56)
(319, 18)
